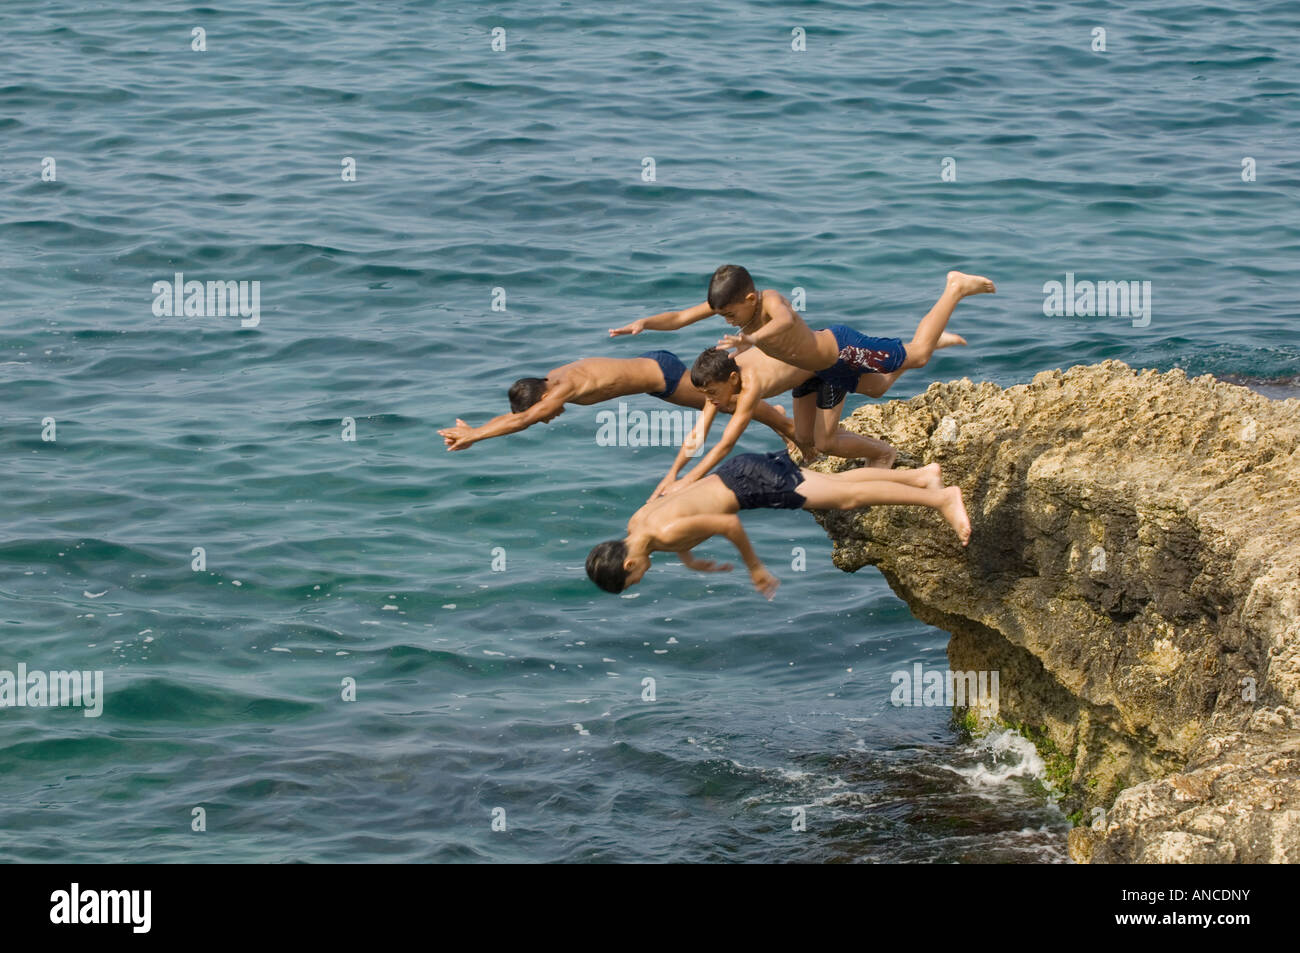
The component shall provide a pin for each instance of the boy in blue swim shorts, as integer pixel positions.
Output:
(661, 374)
(683, 520)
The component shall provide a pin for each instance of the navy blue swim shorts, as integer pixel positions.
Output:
(828, 395)
(762, 480)
(672, 368)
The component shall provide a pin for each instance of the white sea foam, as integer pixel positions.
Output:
(1004, 754)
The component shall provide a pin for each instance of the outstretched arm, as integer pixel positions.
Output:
(463, 435)
(690, 445)
(666, 321)
(728, 525)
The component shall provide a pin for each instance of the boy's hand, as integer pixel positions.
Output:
(636, 327)
(764, 582)
(741, 342)
(458, 437)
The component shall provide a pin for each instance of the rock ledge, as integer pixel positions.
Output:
(1134, 576)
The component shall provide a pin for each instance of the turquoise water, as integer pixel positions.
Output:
(522, 169)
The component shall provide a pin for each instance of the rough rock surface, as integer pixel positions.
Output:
(1134, 575)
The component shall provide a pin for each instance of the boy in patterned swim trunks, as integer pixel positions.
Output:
(681, 521)
(766, 321)
(841, 360)
(660, 374)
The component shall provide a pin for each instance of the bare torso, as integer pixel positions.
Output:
(595, 379)
(767, 375)
(659, 518)
(798, 344)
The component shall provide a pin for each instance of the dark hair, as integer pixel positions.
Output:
(713, 367)
(729, 284)
(605, 565)
(525, 392)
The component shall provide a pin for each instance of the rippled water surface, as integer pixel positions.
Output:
(522, 170)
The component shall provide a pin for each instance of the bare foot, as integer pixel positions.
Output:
(954, 511)
(970, 284)
(948, 339)
(933, 479)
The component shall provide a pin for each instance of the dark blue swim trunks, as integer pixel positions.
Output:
(672, 367)
(763, 480)
(860, 354)
(828, 395)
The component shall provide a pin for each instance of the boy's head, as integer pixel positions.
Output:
(732, 294)
(525, 392)
(716, 373)
(610, 567)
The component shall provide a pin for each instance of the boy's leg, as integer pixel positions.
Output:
(831, 438)
(820, 492)
(931, 334)
(875, 385)
(803, 429)
(805, 416)
(787, 429)
(928, 476)
(926, 338)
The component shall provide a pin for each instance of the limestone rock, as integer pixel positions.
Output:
(1134, 575)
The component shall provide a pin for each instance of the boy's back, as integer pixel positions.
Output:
(708, 495)
(592, 380)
